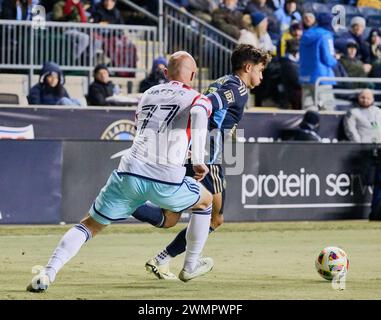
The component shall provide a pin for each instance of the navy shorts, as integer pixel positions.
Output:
(214, 181)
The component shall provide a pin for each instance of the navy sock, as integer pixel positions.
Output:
(178, 245)
(151, 214)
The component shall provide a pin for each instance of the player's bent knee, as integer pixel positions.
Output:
(205, 200)
(94, 226)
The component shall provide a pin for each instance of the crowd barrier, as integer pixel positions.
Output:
(54, 181)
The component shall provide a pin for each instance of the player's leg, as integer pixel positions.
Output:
(190, 194)
(67, 248)
(109, 201)
(177, 246)
(196, 237)
(215, 183)
(156, 216)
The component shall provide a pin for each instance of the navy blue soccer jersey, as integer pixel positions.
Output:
(229, 96)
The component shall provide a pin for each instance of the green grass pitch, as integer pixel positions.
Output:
(268, 260)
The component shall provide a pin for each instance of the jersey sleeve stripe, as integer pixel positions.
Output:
(220, 104)
(195, 99)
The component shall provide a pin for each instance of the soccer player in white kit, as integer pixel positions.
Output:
(167, 117)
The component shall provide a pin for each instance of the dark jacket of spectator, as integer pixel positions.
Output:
(155, 77)
(101, 14)
(308, 128)
(317, 54)
(98, 92)
(228, 21)
(290, 76)
(42, 93)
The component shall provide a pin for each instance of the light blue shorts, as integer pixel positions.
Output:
(125, 192)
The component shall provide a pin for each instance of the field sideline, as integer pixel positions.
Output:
(268, 260)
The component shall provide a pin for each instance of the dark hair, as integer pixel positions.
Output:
(245, 53)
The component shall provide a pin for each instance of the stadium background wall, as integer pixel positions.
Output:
(53, 181)
(100, 123)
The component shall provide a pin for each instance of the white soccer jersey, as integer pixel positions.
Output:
(161, 143)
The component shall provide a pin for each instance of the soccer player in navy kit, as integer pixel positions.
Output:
(229, 95)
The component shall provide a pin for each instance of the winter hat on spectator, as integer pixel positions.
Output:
(49, 68)
(358, 20)
(100, 67)
(311, 118)
(257, 18)
(324, 20)
(352, 44)
(157, 61)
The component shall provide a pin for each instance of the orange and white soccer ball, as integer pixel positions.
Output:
(332, 262)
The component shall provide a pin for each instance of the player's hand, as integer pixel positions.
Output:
(200, 171)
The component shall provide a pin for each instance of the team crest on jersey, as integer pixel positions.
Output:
(120, 130)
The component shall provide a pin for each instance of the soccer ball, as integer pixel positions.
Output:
(331, 262)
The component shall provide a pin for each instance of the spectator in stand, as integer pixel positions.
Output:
(262, 7)
(255, 32)
(291, 90)
(106, 13)
(73, 11)
(117, 47)
(101, 88)
(294, 33)
(156, 76)
(352, 65)
(308, 128)
(362, 123)
(376, 73)
(69, 10)
(203, 8)
(317, 59)
(228, 18)
(374, 41)
(309, 20)
(286, 14)
(358, 25)
(50, 89)
(18, 9)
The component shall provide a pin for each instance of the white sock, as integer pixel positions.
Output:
(67, 248)
(197, 234)
(163, 257)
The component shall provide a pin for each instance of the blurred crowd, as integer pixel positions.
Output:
(304, 43)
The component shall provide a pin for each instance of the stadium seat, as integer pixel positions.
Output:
(352, 10)
(9, 98)
(374, 21)
(320, 7)
(366, 11)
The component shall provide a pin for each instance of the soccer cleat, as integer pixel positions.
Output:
(204, 265)
(160, 271)
(39, 283)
